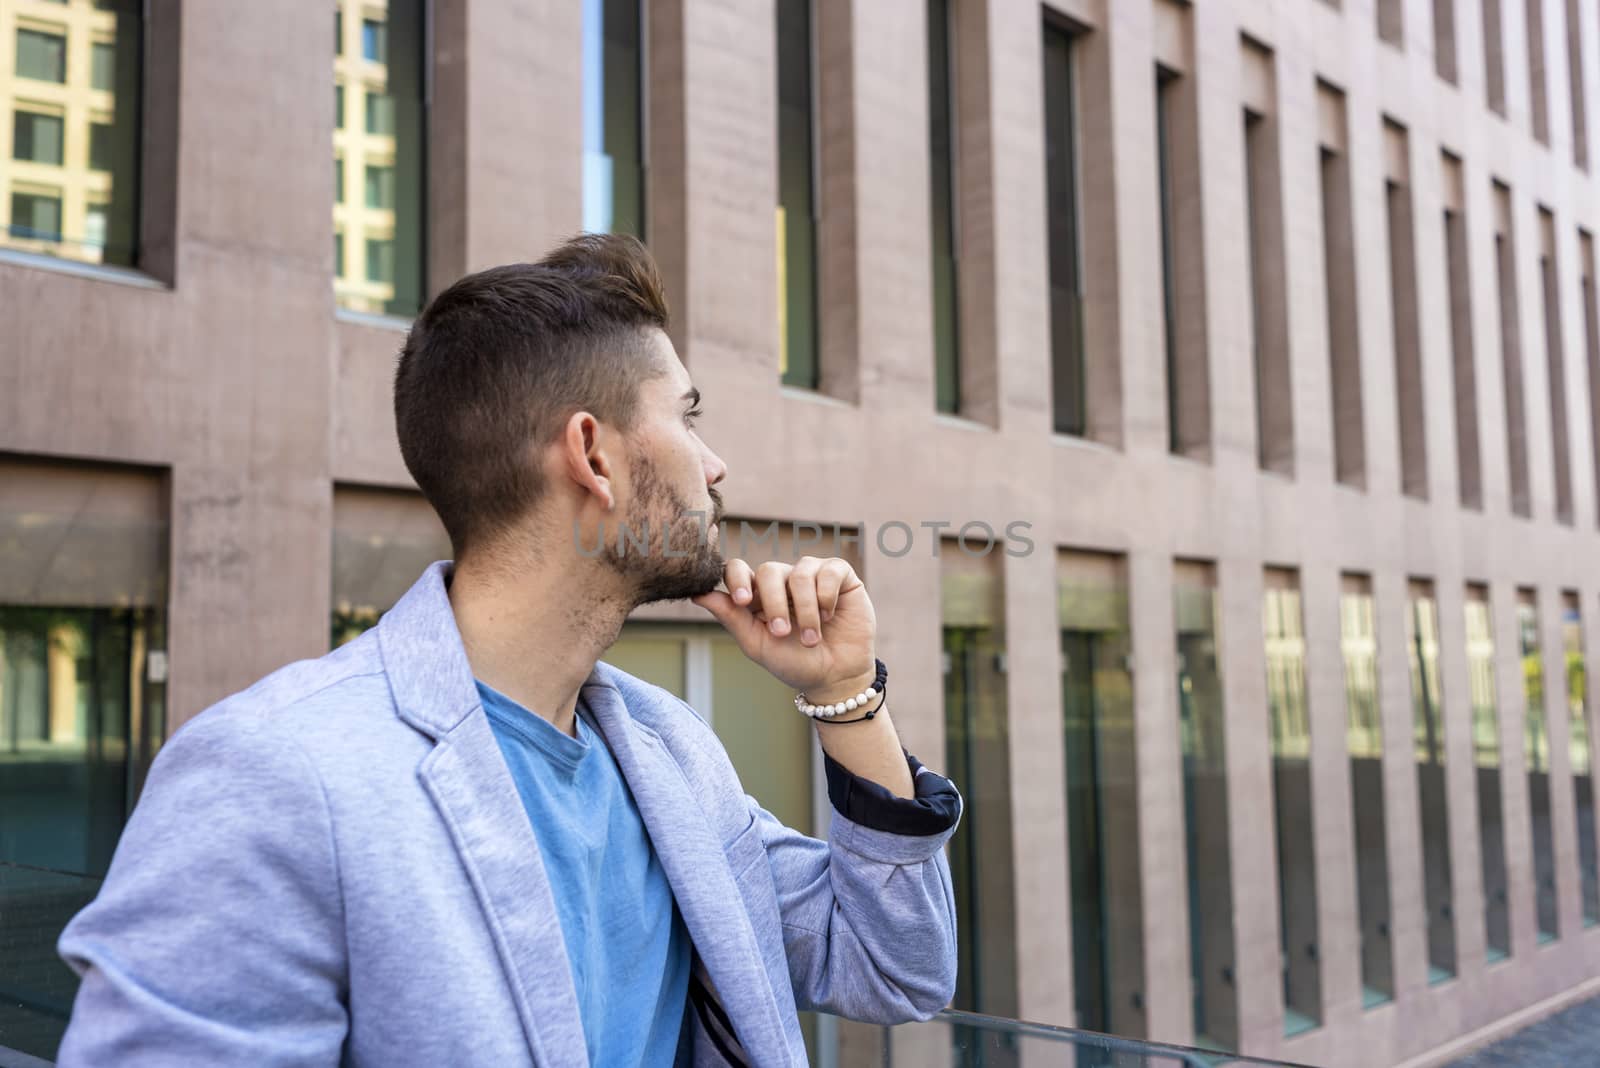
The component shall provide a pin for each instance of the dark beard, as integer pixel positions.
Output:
(695, 566)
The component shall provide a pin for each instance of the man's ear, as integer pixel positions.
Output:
(586, 459)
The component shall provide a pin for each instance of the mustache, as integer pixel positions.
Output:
(716, 505)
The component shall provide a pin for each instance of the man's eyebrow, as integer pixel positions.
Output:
(692, 395)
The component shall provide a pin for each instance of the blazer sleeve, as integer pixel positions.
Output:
(869, 920)
(217, 937)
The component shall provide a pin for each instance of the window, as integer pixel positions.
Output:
(1536, 742)
(1444, 39)
(36, 138)
(1576, 92)
(380, 260)
(374, 41)
(1391, 22)
(1555, 366)
(1511, 353)
(1582, 755)
(1268, 294)
(796, 211)
(1481, 690)
(102, 65)
(100, 154)
(1339, 274)
(338, 180)
(1427, 702)
(380, 114)
(1358, 642)
(942, 170)
(1591, 342)
(382, 541)
(1464, 376)
(1494, 61)
(613, 117)
(90, 134)
(338, 254)
(1102, 793)
(1289, 723)
(384, 155)
(41, 56)
(82, 708)
(1537, 85)
(977, 728)
(380, 187)
(338, 33)
(1201, 725)
(1067, 358)
(36, 216)
(1410, 407)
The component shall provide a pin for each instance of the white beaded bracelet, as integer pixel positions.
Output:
(839, 708)
(880, 684)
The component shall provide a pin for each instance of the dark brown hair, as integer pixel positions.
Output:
(496, 364)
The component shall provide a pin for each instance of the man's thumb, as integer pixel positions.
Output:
(721, 606)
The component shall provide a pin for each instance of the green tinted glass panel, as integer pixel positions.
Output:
(1358, 641)
(1428, 743)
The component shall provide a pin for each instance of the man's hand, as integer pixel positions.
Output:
(810, 623)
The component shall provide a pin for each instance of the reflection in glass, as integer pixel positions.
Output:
(379, 222)
(942, 168)
(69, 182)
(1536, 741)
(1289, 723)
(79, 719)
(1066, 281)
(1422, 644)
(977, 748)
(1582, 754)
(796, 211)
(1358, 640)
(1486, 759)
(613, 108)
(1102, 795)
(1205, 804)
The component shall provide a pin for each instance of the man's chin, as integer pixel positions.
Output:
(701, 579)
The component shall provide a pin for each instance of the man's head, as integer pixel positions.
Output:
(541, 404)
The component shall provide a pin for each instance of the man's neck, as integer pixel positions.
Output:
(535, 636)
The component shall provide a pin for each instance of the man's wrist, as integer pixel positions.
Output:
(842, 690)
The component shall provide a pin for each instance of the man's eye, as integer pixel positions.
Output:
(691, 415)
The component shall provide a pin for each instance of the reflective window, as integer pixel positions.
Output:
(83, 555)
(1102, 794)
(1067, 371)
(1358, 641)
(1536, 743)
(383, 540)
(796, 212)
(613, 117)
(942, 170)
(1289, 725)
(1422, 645)
(380, 76)
(978, 754)
(1486, 760)
(1201, 719)
(1582, 754)
(70, 90)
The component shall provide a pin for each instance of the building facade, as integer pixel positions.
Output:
(1209, 395)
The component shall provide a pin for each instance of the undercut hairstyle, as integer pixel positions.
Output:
(496, 364)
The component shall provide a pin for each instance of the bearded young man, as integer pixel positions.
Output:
(461, 839)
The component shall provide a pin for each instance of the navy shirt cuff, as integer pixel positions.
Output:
(934, 810)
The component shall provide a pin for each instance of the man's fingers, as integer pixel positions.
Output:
(738, 577)
(803, 594)
(772, 590)
(830, 579)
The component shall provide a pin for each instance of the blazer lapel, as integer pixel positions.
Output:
(697, 869)
(467, 779)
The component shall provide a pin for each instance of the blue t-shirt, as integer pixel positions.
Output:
(627, 944)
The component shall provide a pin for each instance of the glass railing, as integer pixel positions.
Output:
(968, 1040)
(37, 988)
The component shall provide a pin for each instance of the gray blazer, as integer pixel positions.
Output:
(334, 866)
